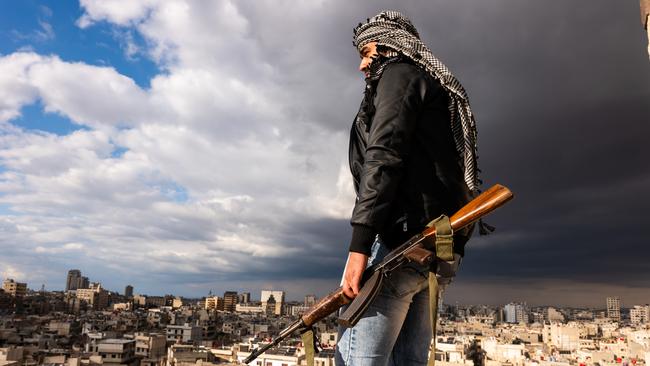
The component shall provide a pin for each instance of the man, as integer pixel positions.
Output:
(413, 158)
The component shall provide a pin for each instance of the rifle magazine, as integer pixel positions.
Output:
(360, 304)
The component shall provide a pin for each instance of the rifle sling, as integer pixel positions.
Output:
(444, 238)
(309, 342)
(433, 315)
(444, 251)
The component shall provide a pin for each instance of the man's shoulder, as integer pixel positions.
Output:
(406, 75)
(405, 70)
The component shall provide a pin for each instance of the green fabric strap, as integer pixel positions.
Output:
(433, 315)
(308, 341)
(445, 252)
(444, 238)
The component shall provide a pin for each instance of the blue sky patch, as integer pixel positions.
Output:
(6, 209)
(33, 117)
(175, 192)
(48, 27)
(118, 152)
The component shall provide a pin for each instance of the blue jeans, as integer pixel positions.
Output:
(396, 329)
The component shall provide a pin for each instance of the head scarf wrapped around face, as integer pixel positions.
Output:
(395, 31)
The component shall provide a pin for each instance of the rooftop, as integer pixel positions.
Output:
(117, 341)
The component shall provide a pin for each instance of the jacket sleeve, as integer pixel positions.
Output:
(400, 95)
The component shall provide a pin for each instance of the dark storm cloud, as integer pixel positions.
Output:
(323, 246)
(561, 95)
(569, 140)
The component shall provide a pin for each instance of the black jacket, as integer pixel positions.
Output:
(403, 160)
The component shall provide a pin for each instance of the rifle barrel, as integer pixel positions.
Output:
(283, 334)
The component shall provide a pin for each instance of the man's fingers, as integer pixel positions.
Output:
(351, 287)
(354, 268)
(347, 290)
(355, 288)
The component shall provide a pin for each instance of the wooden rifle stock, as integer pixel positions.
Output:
(326, 306)
(480, 206)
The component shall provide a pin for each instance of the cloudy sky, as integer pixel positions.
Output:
(189, 146)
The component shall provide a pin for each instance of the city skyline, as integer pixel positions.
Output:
(293, 297)
(183, 146)
(85, 326)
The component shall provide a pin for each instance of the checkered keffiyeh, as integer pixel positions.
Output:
(395, 31)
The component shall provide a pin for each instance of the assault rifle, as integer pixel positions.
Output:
(415, 249)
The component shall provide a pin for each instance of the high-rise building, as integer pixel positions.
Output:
(554, 316)
(13, 288)
(94, 296)
(640, 314)
(510, 313)
(244, 297)
(83, 282)
(72, 282)
(214, 303)
(515, 313)
(229, 300)
(128, 291)
(310, 300)
(269, 305)
(278, 297)
(614, 308)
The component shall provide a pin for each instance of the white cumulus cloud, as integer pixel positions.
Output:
(209, 171)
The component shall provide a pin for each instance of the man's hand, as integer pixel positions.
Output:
(352, 275)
